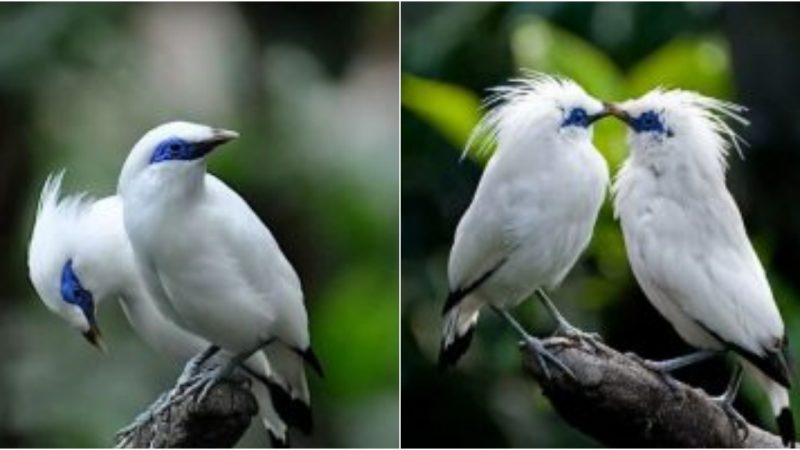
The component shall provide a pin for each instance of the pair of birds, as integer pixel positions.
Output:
(534, 212)
(197, 273)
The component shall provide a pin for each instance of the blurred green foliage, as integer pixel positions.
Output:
(465, 50)
(312, 89)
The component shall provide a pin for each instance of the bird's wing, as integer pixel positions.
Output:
(259, 261)
(480, 246)
(701, 260)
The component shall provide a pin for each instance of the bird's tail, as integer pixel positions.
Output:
(779, 401)
(276, 427)
(260, 372)
(457, 330)
(290, 387)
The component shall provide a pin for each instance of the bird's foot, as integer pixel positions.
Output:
(725, 402)
(739, 423)
(590, 339)
(566, 329)
(201, 384)
(659, 368)
(544, 357)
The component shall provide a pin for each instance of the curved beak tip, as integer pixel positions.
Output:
(221, 136)
(96, 339)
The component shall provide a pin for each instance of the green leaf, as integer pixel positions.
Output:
(540, 46)
(698, 64)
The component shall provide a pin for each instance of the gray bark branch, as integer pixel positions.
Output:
(218, 421)
(620, 403)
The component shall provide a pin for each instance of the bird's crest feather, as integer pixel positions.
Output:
(519, 100)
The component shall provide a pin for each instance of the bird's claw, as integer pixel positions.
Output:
(543, 355)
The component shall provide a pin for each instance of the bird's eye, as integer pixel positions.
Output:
(576, 117)
(171, 149)
(648, 121)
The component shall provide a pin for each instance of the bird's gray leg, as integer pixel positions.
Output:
(535, 346)
(564, 328)
(204, 382)
(725, 401)
(663, 368)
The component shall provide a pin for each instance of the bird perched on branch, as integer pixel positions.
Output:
(214, 266)
(687, 243)
(534, 209)
(80, 256)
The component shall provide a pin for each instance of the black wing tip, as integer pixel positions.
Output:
(293, 411)
(452, 300)
(786, 427)
(449, 355)
(311, 359)
(278, 442)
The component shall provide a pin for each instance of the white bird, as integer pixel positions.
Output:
(687, 243)
(534, 209)
(80, 256)
(214, 266)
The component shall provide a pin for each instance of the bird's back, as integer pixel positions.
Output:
(236, 259)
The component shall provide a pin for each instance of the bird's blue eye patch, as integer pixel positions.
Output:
(73, 292)
(649, 122)
(577, 117)
(176, 149)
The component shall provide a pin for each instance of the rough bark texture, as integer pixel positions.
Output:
(623, 404)
(219, 420)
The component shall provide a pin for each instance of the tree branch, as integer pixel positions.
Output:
(219, 420)
(623, 404)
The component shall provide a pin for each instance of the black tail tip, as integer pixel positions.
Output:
(293, 411)
(786, 427)
(278, 442)
(311, 359)
(449, 355)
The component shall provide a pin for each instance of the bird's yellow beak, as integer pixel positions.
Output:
(614, 110)
(95, 338)
(221, 136)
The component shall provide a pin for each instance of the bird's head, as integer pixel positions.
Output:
(173, 149)
(537, 104)
(70, 262)
(681, 126)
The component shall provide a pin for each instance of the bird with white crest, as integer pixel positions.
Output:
(79, 257)
(687, 244)
(214, 267)
(534, 210)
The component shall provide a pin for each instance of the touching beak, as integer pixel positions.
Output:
(95, 338)
(614, 110)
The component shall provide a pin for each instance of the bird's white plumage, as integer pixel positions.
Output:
(684, 235)
(91, 233)
(536, 204)
(222, 273)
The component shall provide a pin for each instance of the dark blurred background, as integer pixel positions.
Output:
(451, 53)
(313, 90)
